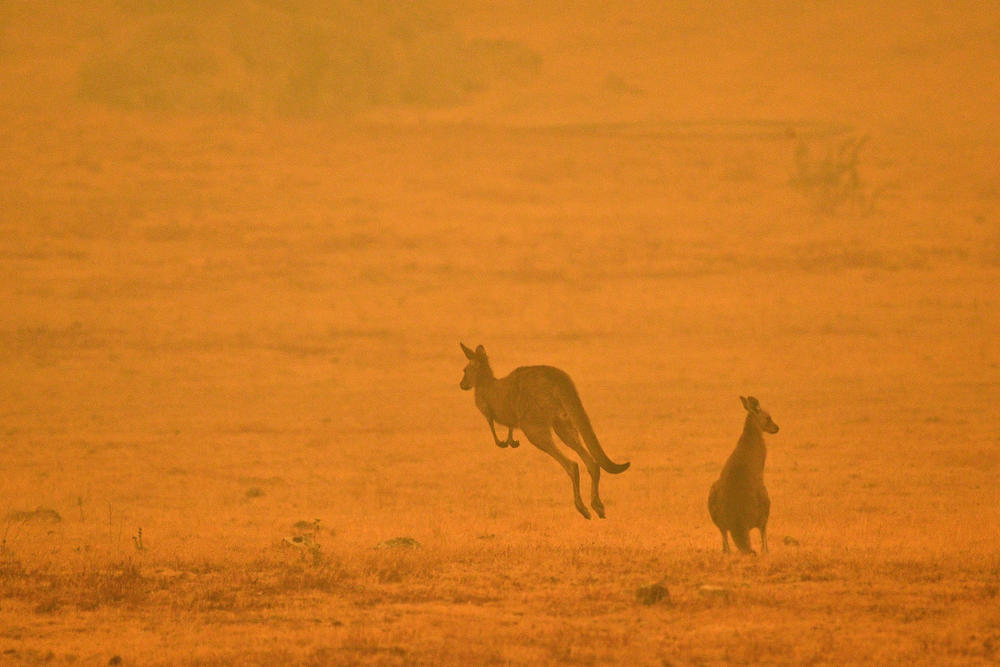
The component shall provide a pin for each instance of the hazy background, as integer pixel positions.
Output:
(239, 245)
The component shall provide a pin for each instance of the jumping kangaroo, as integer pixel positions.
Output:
(738, 501)
(539, 400)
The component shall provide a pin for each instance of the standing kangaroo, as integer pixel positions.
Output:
(738, 501)
(539, 400)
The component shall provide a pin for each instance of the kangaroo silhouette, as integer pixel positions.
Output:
(738, 500)
(539, 400)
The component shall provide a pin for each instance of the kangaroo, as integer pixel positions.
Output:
(539, 400)
(738, 501)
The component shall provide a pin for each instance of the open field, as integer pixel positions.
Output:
(230, 324)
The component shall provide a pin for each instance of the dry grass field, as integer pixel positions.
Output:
(239, 248)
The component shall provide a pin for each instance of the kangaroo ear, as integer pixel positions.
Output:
(753, 403)
(743, 400)
(480, 350)
(469, 354)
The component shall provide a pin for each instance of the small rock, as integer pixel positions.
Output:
(790, 541)
(399, 543)
(650, 595)
(713, 592)
(168, 573)
(301, 542)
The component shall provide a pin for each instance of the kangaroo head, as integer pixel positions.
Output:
(761, 416)
(477, 361)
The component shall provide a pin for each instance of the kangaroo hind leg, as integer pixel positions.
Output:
(540, 436)
(571, 436)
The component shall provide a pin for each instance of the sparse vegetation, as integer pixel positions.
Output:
(372, 592)
(48, 590)
(17, 522)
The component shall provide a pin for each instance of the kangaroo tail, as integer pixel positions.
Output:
(574, 408)
(741, 538)
(714, 507)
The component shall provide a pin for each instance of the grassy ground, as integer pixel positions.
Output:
(231, 362)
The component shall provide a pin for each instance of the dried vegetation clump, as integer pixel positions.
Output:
(832, 181)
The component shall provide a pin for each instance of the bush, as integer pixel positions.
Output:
(299, 58)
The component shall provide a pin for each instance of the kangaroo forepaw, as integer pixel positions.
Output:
(599, 508)
(501, 445)
(514, 444)
(583, 510)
